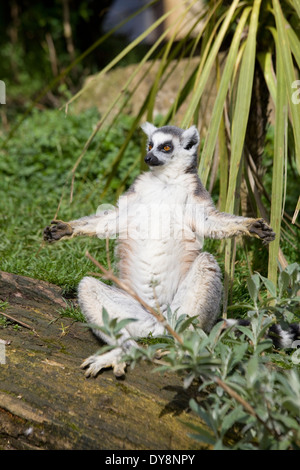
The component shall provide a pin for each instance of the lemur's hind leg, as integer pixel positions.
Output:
(93, 296)
(200, 293)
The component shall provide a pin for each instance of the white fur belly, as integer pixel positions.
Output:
(155, 268)
(156, 247)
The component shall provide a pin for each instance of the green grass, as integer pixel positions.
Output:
(72, 311)
(33, 170)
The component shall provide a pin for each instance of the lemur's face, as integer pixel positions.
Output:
(161, 148)
(169, 144)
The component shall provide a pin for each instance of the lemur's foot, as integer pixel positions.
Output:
(260, 229)
(103, 361)
(57, 230)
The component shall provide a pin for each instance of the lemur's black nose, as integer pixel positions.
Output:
(152, 160)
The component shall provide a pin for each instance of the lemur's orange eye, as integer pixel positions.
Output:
(150, 147)
(167, 148)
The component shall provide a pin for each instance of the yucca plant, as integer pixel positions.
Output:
(261, 40)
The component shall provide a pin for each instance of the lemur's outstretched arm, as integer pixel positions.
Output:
(223, 225)
(215, 224)
(104, 224)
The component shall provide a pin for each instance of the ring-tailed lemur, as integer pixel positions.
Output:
(161, 222)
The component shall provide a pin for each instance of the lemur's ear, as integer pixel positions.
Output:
(148, 128)
(190, 138)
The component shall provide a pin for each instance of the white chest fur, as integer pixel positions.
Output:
(156, 244)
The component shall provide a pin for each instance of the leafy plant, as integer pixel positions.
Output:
(243, 400)
(282, 301)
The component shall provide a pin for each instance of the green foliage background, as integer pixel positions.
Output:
(34, 169)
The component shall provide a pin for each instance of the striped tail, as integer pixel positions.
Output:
(281, 338)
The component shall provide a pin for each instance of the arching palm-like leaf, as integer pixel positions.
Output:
(257, 36)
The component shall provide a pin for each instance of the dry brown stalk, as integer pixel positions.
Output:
(19, 322)
(108, 274)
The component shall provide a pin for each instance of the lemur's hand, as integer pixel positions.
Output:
(57, 230)
(260, 229)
